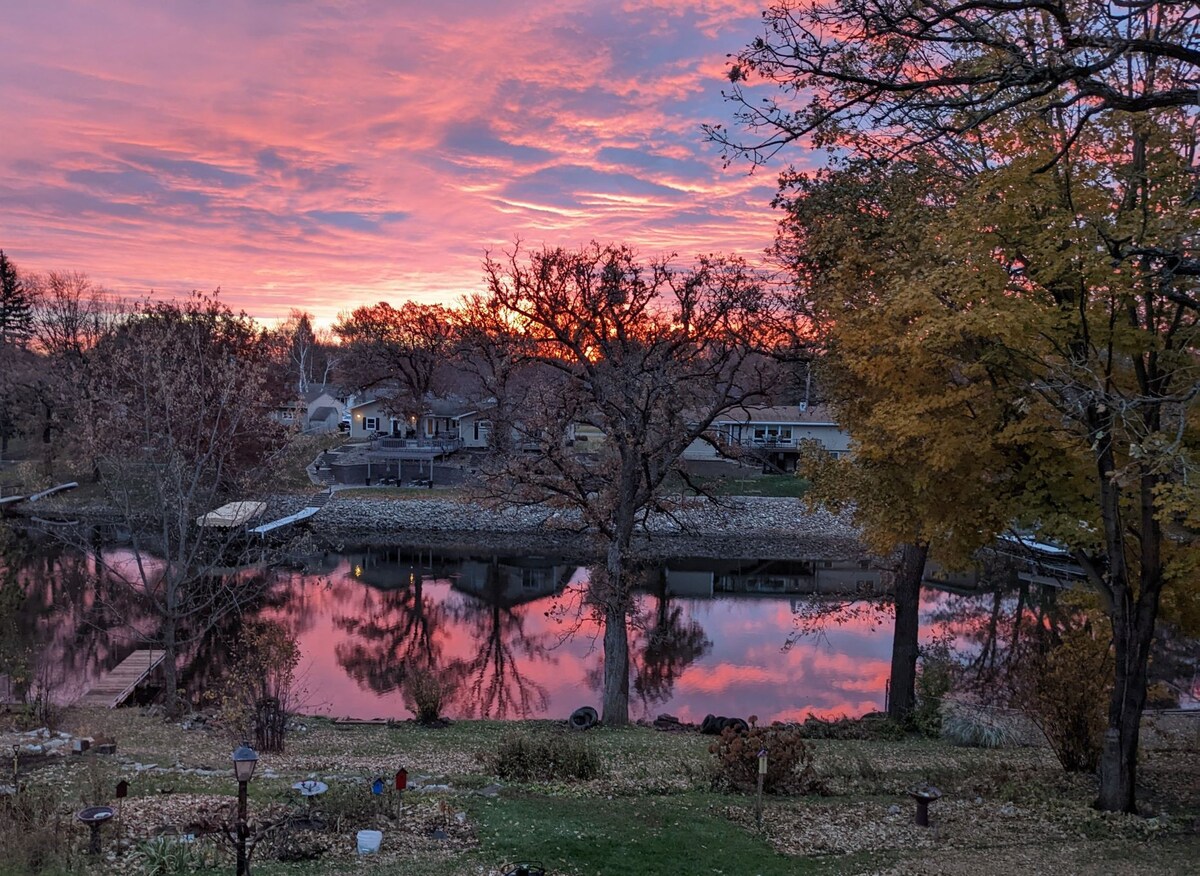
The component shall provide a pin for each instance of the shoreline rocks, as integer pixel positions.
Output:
(739, 527)
(743, 526)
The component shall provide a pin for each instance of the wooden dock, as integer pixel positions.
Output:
(116, 685)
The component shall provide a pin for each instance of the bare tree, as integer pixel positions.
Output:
(306, 354)
(176, 419)
(70, 316)
(645, 357)
(399, 350)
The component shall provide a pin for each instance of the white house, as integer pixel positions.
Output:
(774, 432)
(317, 409)
(440, 420)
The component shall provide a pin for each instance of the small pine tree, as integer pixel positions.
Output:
(16, 306)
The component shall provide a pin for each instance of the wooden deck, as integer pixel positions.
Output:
(116, 685)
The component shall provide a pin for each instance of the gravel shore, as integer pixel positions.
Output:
(738, 527)
(747, 526)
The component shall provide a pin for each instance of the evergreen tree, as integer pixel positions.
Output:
(16, 325)
(16, 306)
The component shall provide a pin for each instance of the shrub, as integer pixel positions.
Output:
(935, 676)
(873, 726)
(789, 760)
(347, 805)
(425, 694)
(527, 757)
(37, 833)
(255, 697)
(1065, 690)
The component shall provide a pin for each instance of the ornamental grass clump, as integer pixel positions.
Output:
(789, 759)
(977, 726)
(532, 757)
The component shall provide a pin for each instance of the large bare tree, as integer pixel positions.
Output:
(643, 355)
(176, 419)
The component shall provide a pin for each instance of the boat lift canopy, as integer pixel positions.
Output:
(232, 514)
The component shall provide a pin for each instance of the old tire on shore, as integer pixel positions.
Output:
(583, 718)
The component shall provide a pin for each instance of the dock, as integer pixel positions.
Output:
(119, 683)
(70, 485)
(315, 504)
(302, 514)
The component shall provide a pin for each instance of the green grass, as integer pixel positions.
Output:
(626, 836)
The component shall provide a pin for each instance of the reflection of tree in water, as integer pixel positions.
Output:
(669, 645)
(397, 632)
(492, 682)
(664, 642)
(993, 637)
(67, 622)
(207, 659)
(297, 598)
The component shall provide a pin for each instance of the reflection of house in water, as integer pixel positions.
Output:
(513, 580)
(941, 578)
(506, 580)
(396, 568)
(772, 577)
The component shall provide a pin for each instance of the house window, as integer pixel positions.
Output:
(476, 432)
(772, 434)
(371, 424)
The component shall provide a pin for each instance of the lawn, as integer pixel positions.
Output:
(654, 808)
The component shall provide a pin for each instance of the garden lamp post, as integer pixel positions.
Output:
(244, 761)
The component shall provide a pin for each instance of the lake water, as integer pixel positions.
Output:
(514, 637)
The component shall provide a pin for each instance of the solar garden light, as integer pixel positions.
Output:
(762, 775)
(244, 760)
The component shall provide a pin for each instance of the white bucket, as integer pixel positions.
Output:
(368, 841)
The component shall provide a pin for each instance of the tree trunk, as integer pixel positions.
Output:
(615, 599)
(170, 671)
(905, 644)
(616, 667)
(1134, 612)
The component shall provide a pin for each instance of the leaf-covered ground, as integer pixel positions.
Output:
(654, 810)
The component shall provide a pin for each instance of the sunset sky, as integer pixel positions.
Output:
(327, 154)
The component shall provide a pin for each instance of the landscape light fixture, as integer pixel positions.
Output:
(245, 759)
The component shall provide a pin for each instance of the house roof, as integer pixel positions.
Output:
(437, 407)
(813, 415)
(323, 413)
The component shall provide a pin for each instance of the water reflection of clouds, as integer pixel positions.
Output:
(506, 652)
(737, 663)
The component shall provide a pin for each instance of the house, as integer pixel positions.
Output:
(371, 416)
(318, 409)
(441, 419)
(475, 427)
(771, 434)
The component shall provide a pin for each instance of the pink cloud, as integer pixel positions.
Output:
(326, 156)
